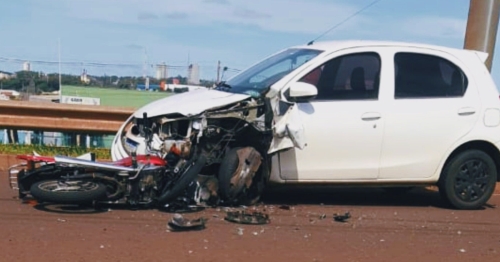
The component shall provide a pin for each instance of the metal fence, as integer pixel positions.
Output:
(26, 137)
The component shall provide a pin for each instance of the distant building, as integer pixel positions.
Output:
(84, 77)
(161, 71)
(6, 75)
(193, 74)
(26, 66)
(9, 93)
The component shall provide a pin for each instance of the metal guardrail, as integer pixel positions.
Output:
(24, 115)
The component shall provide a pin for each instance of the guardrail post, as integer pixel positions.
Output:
(13, 136)
(482, 26)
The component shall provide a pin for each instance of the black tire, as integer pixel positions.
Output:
(183, 182)
(89, 192)
(227, 168)
(468, 180)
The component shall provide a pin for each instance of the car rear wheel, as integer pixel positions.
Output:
(468, 180)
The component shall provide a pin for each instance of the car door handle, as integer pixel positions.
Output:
(466, 111)
(370, 116)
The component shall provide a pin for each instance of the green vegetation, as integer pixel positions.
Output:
(38, 82)
(16, 149)
(114, 96)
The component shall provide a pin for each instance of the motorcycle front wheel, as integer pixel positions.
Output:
(68, 192)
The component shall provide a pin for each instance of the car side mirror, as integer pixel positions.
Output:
(301, 92)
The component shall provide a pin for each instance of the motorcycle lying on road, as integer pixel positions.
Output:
(139, 180)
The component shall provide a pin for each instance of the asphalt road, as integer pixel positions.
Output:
(414, 227)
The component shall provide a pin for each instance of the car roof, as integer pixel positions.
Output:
(341, 44)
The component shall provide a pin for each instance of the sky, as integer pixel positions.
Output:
(122, 33)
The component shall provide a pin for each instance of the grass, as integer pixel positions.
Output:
(16, 149)
(115, 97)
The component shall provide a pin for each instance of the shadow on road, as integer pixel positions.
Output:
(297, 195)
(362, 196)
(68, 209)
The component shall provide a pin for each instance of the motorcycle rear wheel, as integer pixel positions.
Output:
(68, 192)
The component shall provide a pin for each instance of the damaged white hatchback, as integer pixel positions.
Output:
(349, 112)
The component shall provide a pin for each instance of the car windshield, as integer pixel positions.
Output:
(258, 78)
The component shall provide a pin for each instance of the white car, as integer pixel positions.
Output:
(348, 112)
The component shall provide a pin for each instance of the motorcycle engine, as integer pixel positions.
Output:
(147, 188)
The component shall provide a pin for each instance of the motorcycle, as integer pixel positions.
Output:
(138, 180)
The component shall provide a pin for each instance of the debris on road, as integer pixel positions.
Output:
(341, 218)
(182, 205)
(255, 218)
(179, 223)
(285, 207)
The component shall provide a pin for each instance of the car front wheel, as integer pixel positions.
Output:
(468, 180)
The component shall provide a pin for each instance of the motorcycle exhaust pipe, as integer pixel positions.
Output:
(87, 163)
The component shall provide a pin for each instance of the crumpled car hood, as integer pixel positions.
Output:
(190, 103)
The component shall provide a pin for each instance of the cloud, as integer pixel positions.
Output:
(291, 16)
(147, 16)
(176, 15)
(250, 14)
(134, 46)
(220, 2)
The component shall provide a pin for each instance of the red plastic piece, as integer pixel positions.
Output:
(141, 159)
(36, 158)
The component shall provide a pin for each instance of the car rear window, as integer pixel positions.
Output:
(427, 76)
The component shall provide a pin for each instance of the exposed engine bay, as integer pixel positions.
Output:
(233, 140)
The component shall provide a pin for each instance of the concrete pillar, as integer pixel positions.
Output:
(482, 25)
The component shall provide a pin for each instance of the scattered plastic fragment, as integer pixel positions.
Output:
(255, 218)
(342, 218)
(179, 223)
(285, 207)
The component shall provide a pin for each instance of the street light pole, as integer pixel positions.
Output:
(482, 27)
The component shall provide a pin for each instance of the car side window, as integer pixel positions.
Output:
(427, 76)
(347, 77)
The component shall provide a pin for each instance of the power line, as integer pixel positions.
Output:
(345, 20)
(96, 64)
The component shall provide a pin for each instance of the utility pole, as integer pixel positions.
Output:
(218, 72)
(482, 27)
(59, 55)
(145, 69)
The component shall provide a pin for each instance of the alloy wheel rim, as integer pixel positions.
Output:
(471, 182)
(68, 186)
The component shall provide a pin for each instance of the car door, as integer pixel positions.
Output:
(433, 105)
(343, 124)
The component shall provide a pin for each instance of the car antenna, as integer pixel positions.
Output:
(343, 21)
